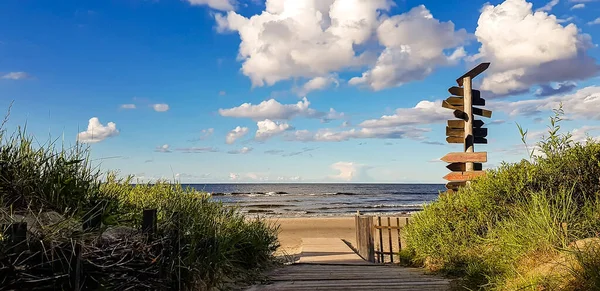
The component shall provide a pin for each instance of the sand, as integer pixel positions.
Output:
(292, 230)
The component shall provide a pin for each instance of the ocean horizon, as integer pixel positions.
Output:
(322, 199)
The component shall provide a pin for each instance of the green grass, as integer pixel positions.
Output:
(507, 230)
(219, 245)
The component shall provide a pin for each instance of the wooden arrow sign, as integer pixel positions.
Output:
(460, 157)
(460, 124)
(479, 132)
(455, 139)
(460, 114)
(455, 132)
(482, 112)
(461, 167)
(458, 91)
(479, 140)
(473, 73)
(445, 104)
(464, 176)
(454, 100)
(454, 185)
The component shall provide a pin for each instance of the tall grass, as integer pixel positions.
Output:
(515, 227)
(217, 244)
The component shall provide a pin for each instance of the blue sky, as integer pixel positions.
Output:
(341, 90)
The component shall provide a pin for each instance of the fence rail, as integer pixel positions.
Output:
(379, 239)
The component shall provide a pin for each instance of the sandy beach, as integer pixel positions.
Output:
(292, 230)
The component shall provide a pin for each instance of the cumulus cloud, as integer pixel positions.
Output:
(318, 83)
(528, 48)
(549, 90)
(223, 5)
(425, 112)
(293, 38)
(163, 149)
(96, 132)
(16, 76)
(329, 135)
(349, 171)
(271, 109)
(584, 103)
(235, 134)
(161, 107)
(414, 46)
(127, 106)
(268, 128)
(243, 150)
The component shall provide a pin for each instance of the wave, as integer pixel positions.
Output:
(248, 193)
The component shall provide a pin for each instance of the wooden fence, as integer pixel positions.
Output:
(379, 239)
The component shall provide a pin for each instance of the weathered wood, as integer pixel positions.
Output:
(468, 132)
(464, 176)
(380, 239)
(458, 101)
(75, 275)
(454, 132)
(390, 239)
(364, 237)
(480, 132)
(458, 91)
(399, 237)
(461, 167)
(473, 73)
(455, 185)
(482, 112)
(479, 140)
(385, 227)
(460, 114)
(454, 139)
(149, 221)
(445, 104)
(460, 157)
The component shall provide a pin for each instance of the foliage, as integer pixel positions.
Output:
(215, 244)
(519, 217)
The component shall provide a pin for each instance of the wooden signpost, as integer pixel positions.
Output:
(466, 165)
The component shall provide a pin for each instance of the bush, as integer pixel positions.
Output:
(518, 218)
(217, 244)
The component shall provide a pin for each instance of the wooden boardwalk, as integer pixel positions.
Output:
(329, 264)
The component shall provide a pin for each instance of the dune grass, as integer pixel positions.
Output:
(218, 245)
(518, 227)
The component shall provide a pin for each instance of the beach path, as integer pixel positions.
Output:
(329, 264)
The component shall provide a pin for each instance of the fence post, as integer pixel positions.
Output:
(18, 236)
(76, 270)
(364, 237)
(93, 218)
(149, 221)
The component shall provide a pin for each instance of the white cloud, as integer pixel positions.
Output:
(425, 112)
(163, 149)
(582, 134)
(548, 6)
(349, 171)
(223, 5)
(578, 6)
(197, 150)
(233, 176)
(16, 76)
(527, 48)
(243, 150)
(414, 46)
(329, 135)
(293, 38)
(318, 83)
(127, 106)
(235, 134)
(206, 133)
(161, 107)
(96, 132)
(271, 109)
(268, 128)
(594, 22)
(584, 104)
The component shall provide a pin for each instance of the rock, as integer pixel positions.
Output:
(118, 233)
(587, 244)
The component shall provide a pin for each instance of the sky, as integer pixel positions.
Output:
(222, 91)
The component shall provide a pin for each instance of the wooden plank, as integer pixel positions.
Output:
(456, 100)
(390, 239)
(461, 124)
(460, 114)
(149, 221)
(464, 176)
(385, 227)
(482, 112)
(461, 167)
(480, 140)
(458, 91)
(473, 72)
(480, 132)
(364, 237)
(460, 157)
(399, 240)
(455, 185)
(380, 239)
(454, 139)
(455, 132)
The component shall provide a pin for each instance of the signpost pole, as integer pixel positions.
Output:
(468, 109)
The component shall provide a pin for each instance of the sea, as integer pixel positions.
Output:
(301, 200)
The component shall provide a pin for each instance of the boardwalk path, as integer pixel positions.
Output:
(329, 264)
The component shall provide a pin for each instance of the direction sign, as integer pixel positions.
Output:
(460, 124)
(480, 140)
(455, 100)
(482, 112)
(455, 185)
(464, 176)
(460, 157)
(473, 73)
(446, 104)
(479, 132)
(455, 139)
(460, 114)
(476, 95)
(455, 132)
(461, 167)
